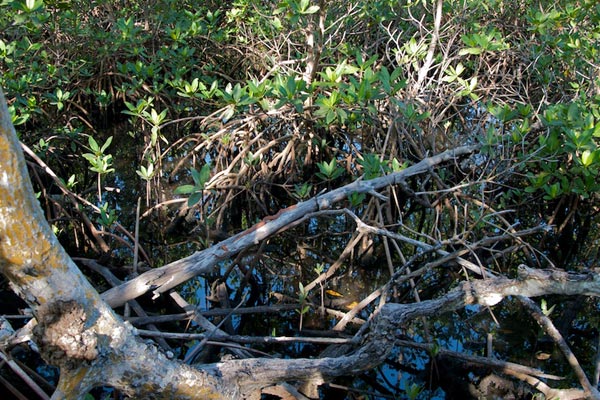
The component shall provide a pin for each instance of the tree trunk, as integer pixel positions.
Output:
(78, 332)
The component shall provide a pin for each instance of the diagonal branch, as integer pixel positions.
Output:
(162, 279)
(551, 330)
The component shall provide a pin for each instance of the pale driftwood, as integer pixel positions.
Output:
(162, 279)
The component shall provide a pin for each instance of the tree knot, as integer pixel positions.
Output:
(62, 335)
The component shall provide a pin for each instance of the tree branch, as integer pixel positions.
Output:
(162, 279)
(78, 331)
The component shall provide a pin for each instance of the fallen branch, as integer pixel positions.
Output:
(162, 279)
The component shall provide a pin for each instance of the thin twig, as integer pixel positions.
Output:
(17, 370)
(551, 330)
(136, 245)
(206, 325)
(220, 337)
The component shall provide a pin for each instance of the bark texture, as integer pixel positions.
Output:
(76, 330)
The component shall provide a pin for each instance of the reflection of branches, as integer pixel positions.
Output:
(374, 347)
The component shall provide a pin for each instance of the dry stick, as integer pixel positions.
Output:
(277, 308)
(207, 326)
(509, 227)
(161, 205)
(362, 227)
(336, 265)
(549, 393)
(17, 370)
(424, 70)
(386, 246)
(237, 347)
(162, 279)
(136, 246)
(396, 280)
(334, 313)
(551, 330)
(220, 337)
(349, 316)
(411, 281)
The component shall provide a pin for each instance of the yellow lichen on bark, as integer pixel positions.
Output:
(23, 240)
(29, 251)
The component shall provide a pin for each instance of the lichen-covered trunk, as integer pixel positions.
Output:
(75, 330)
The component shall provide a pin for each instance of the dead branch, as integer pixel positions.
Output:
(162, 279)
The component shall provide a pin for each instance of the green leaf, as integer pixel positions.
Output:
(205, 173)
(276, 22)
(470, 50)
(302, 191)
(106, 144)
(356, 198)
(194, 198)
(311, 10)
(329, 170)
(93, 144)
(384, 78)
(197, 177)
(89, 156)
(396, 166)
(552, 191)
(184, 189)
(146, 173)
